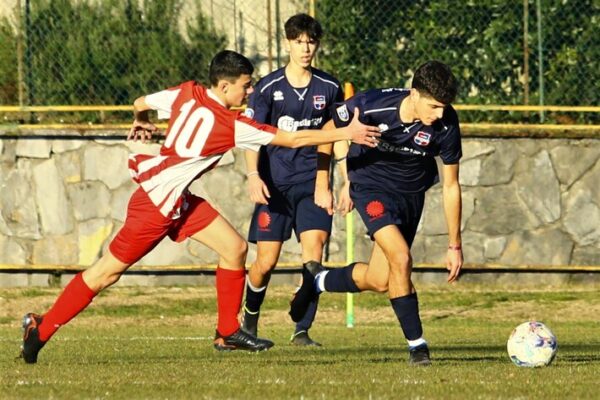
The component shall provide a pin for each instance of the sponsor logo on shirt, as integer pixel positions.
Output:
(278, 95)
(422, 138)
(289, 124)
(249, 112)
(319, 102)
(342, 112)
(375, 210)
(383, 127)
(264, 220)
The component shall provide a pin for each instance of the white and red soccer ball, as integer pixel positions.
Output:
(532, 344)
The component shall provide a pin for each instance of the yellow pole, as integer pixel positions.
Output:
(349, 92)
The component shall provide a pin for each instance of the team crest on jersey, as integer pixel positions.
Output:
(342, 112)
(319, 102)
(249, 112)
(383, 127)
(422, 138)
(278, 95)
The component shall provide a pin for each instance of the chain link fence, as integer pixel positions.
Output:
(108, 52)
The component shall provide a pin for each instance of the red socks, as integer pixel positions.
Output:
(75, 298)
(230, 290)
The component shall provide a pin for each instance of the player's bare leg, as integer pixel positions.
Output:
(221, 237)
(396, 251)
(76, 296)
(389, 269)
(402, 294)
(373, 276)
(104, 273)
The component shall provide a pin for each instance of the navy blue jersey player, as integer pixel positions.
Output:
(388, 185)
(282, 180)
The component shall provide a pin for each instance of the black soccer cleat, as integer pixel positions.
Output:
(307, 292)
(302, 339)
(250, 322)
(240, 340)
(31, 338)
(419, 356)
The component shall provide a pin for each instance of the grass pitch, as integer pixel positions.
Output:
(157, 343)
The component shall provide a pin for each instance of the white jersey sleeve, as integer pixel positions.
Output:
(162, 102)
(250, 136)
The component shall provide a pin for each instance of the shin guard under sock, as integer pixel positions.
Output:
(407, 312)
(254, 298)
(307, 321)
(230, 290)
(75, 298)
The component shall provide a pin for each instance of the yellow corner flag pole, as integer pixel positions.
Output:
(349, 92)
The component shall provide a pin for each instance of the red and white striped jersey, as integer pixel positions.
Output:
(201, 129)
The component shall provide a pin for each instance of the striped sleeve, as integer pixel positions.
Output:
(163, 101)
(250, 135)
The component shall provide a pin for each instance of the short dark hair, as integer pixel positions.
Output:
(303, 23)
(435, 79)
(228, 65)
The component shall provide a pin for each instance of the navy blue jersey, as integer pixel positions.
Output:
(403, 161)
(275, 102)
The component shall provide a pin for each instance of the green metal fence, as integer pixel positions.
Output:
(108, 52)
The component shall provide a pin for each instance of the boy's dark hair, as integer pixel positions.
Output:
(228, 65)
(435, 79)
(303, 23)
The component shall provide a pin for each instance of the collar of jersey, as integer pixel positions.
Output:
(214, 97)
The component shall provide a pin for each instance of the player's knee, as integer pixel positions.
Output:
(400, 261)
(379, 287)
(265, 264)
(239, 249)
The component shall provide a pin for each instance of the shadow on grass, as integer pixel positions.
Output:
(293, 356)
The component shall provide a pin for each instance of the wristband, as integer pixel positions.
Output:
(249, 174)
(454, 247)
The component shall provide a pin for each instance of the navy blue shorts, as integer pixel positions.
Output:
(379, 208)
(291, 207)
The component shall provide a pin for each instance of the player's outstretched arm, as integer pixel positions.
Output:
(141, 128)
(357, 132)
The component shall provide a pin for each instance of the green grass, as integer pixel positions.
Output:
(157, 343)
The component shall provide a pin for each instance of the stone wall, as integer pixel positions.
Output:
(525, 201)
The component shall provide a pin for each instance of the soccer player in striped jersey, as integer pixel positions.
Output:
(201, 129)
(281, 181)
(388, 185)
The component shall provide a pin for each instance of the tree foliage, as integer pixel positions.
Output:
(378, 43)
(111, 51)
(8, 66)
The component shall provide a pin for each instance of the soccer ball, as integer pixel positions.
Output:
(532, 344)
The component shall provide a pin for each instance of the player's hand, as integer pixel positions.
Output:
(454, 262)
(324, 199)
(345, 203)
(258, 190)
(142, 130)
(363, 134)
